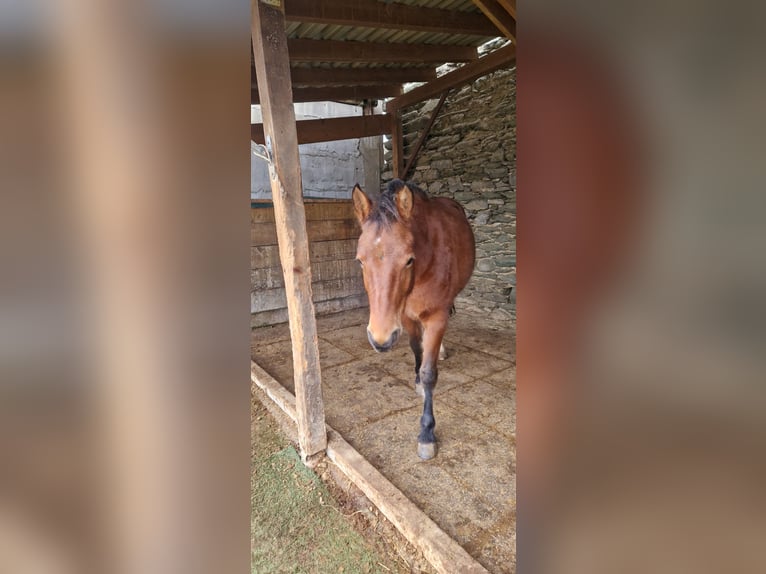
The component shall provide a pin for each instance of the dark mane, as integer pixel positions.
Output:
(384, 211)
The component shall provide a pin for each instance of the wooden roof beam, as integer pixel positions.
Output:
(302, 50)
(373, 14)
(499, 16)
(359, 76)
(510, 7)
(501, 58)
(338, 93)
(333, 129)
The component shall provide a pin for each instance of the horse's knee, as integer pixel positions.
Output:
(428, 377)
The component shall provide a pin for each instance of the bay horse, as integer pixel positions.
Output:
(417, 253)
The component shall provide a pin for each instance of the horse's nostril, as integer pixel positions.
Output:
(387, 344)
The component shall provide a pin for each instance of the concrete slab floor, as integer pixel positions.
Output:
(469, 489)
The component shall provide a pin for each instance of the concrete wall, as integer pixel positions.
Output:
(330, 169)
(470, 156)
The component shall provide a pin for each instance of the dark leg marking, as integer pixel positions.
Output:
(427, 438)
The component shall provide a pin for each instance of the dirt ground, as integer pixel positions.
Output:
(469, 489)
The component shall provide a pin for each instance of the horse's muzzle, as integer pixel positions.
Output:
(386, 346)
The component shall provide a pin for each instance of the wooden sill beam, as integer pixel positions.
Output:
(338, 93)
(499, 16)
(501, 58)
(333, 129)
(374, 14)
(337, 51)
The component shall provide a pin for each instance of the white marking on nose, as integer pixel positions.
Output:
(377, 240)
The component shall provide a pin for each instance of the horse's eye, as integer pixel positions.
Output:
(410, 261)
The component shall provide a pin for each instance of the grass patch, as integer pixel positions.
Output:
(296, 526)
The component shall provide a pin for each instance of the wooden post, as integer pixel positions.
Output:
(397, 143)
(272, 68)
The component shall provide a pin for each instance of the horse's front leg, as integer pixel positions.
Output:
(415, 332)
(433, 331)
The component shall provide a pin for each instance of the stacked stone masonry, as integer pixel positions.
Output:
(470, 156)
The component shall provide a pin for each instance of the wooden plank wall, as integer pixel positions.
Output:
(336, 278)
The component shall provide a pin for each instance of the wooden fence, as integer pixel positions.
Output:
(336, 279)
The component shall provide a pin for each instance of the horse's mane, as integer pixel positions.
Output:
(385, 212)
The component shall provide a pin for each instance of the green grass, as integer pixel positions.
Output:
(296, 526)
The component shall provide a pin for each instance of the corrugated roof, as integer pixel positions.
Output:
(317, 31)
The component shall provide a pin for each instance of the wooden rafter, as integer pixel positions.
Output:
(332, 129)
(499, 16)
(397, 143)
(337, 51)
(359, 76)
(374, 14)
(510, 7)
(423, 135)
(339, 93)
(465, 74)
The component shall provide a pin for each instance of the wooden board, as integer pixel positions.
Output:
(269, 299)
(315, 210)
(267, 256)
(272, 277)
(276, 316)
(266, 234)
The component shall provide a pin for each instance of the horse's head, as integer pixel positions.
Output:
(386, 254)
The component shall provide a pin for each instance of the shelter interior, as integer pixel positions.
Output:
(402, 53)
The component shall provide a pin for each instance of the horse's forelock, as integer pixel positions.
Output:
(385, 212)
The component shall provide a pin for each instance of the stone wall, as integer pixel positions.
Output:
(470, 156)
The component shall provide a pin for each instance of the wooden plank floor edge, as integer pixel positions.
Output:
(441, 551)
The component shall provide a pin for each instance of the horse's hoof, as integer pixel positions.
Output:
(426, 450)
(419, 390)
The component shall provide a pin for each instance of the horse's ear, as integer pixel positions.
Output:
(404, 202)
(362, 204)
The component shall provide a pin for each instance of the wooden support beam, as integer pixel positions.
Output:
(373, 14)
(332, 129)
(499, 16)
(501, 58)
(336, 51)
(273, 71)
(339, 93)
(424, 135)
(510, 7)
(359, 76)
(397, 143)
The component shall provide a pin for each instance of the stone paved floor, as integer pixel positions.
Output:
(469, 489)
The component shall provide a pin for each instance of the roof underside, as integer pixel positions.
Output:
(361, 50)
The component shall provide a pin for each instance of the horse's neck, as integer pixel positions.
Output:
(420, 233)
